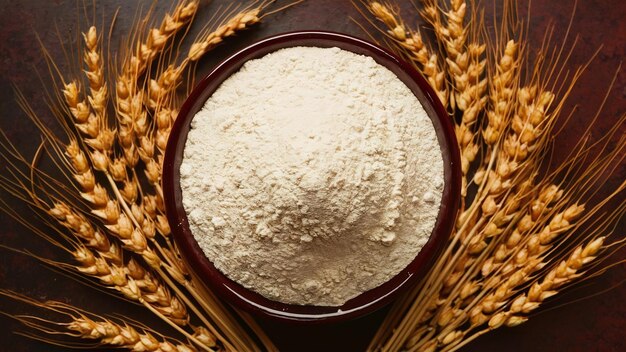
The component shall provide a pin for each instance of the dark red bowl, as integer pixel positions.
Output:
(369, 301)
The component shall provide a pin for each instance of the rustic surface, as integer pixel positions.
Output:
(594, 324)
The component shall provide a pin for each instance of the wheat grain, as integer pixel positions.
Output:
(95, 74)
(529, 122)
(502, 89)
(459, 54)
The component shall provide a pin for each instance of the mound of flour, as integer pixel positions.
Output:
(311, 176)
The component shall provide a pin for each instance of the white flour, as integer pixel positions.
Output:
(311, 176)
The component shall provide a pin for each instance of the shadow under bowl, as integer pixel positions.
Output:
(204, 271)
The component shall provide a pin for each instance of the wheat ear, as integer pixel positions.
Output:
(409, 44)
(160, 89)
(465, 63)
(134, 240)
(561, 274)
(497, 290)
(73, 322)
(502, 92)
(131, 279)
(129, 98)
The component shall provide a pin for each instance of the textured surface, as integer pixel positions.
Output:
(594, 324)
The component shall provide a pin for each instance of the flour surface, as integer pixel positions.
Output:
(311, 176)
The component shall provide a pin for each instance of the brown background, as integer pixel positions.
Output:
(594, 324)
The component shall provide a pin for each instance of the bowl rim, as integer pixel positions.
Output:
(253, 302)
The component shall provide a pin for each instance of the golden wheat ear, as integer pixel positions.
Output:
(84, 330)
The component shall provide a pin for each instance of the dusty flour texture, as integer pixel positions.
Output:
(312, 175)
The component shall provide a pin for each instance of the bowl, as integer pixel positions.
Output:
(241, 297)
